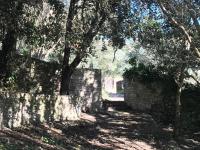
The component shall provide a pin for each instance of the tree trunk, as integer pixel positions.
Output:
(67, 72)
(8, 46)
(178, 113)
(66, 69)
(65, 80)
(177, 125)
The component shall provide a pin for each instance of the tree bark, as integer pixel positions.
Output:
(65, 81)
(67, 72)
(178, 113)
(177, 125)
(68, 68)
(8, 46)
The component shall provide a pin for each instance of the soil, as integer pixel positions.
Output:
(111, 130)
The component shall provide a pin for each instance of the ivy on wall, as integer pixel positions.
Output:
(145, 73)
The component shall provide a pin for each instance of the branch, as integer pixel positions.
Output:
(86, 43)
(93, 31)
(95, 25)
(194, 16)
(114, 54)
(97, 22)
(75, 62)
(181, 27)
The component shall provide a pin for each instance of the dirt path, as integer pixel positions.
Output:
(126, 131)
(113, 130)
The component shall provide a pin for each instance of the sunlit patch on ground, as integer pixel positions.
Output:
(113, 130)
(88, 117)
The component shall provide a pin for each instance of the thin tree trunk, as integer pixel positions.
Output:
(178, 113)
(177, 126)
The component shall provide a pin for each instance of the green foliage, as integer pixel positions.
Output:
(48, 140)
(164, 40)
(103, 59)
(38, 26)
(144, 72)
(44, 34)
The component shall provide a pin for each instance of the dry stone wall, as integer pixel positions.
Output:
(141, 96)
(36, 98)
(22, 108)
(158, 96)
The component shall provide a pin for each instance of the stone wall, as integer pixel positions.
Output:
(140, 95)
(23, 108)
(35, 97)
(158, 98)
(86, 84)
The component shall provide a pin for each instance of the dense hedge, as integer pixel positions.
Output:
(145, 73)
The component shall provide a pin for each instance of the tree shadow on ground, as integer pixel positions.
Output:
(104, 131)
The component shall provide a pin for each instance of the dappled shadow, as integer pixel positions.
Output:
(85, 89)
(18, 109)
(107, 131)
(34, 98)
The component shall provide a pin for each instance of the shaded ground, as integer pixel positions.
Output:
(113, 130)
